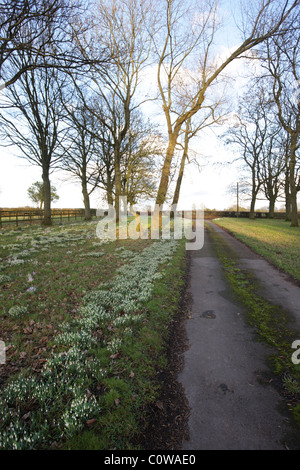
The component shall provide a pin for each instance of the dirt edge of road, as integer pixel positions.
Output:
(168, 417)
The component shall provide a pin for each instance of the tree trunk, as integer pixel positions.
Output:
(293, 187)
(294, 209)
(118, 187)
(109, 191)
(164, 180)
(47, 198)
(182, 164)
(287, 196)
(288, 207)
(86, 201)
(271, 207)
(252, 207)
(253, 196)
(178, 185)
(179, 181)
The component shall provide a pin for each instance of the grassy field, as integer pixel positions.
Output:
(85, 324)
(273, 239)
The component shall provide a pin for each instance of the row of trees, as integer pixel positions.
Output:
(73, 95)
(265, 130)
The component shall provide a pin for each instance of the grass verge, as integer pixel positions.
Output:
(276, 240)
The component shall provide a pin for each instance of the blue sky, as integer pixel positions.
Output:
(208, 187)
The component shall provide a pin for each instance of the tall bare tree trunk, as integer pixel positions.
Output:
(252, 207)
(86, 201)
(271, 207)
(182, 164)
(118, 186)
(47, 198)
(109, 189)
(293, 187)
(164, 180)
(179, 180)
(109, 195)
(287, 195)
(254, 192)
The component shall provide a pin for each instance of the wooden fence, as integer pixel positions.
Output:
(16, 217)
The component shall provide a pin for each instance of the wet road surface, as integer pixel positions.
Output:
(225, 376)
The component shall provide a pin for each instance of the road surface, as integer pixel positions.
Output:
(233, 404)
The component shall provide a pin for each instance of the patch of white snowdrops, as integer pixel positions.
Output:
(59, 400)
(29, 244)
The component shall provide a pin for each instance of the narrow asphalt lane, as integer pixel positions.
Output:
(233, 405)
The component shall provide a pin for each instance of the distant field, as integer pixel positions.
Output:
(273, 239)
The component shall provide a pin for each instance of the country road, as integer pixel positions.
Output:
(233, 403)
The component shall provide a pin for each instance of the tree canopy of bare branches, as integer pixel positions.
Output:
(53, 32)
(187, 34)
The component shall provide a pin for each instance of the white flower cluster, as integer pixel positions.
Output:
(24, 387)
(114, 345)
(61, 386)
(78, 412)
(65, 368)
(59, 240)
(131, 288)
(123, 253)
(17, 311)
(4, 279)
(12, 246)
(22, 254)
(82, 339)
(15, 261)
(127, 319)
(10, 438)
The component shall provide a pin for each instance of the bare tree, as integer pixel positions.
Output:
(183, 41)
(106, 172)
(253, 134)
(121, 27)
(282, 55)
(80, 157)
(30, 119)
(273, 165)
(286, 145)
